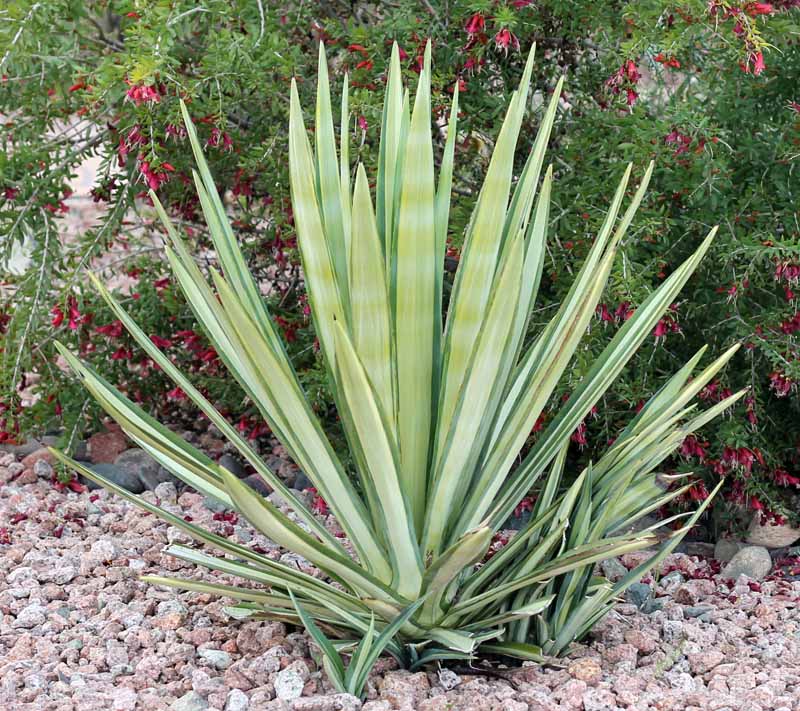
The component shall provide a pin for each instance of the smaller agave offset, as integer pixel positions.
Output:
(435, 410)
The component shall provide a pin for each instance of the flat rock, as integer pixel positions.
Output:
(140, 464)
(753, 561)
(121, 476)
(233, 465)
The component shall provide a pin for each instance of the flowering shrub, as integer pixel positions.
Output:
(708, 89)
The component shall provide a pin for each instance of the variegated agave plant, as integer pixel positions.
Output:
(435, 410)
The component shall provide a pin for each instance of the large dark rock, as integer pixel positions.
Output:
(121, 476)
(255, 482)
(233, 465)
(139, 463)
(22, 450)
(638, 594)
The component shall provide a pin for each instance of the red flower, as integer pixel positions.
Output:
(218, 139)
(161, 342)
(176, 394)
(698, 492)
(692, 447)
(603, 313)
(476, 24)
(74, 314)
(780, 384)
(783, 478)
(154, 179)
(362, 123)
(579, 435)
(318, 504)
(505, 39)
(667, 61)
(357, 48)
(756, 504)
(624, 311)
(759, 8)
(365, 64)
(58, 317)
(122, 354)
(142, 93)
(112, 330)
(754, 63)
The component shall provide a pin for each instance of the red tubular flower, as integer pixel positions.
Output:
(58, 317)
(780, 384)
(759, 8)
(219, 139)
(112, 330)
(579, 435)
(161, 342)
(603, 313)
(505, 39)
(74, 313)
(142, 93)
(475, 24)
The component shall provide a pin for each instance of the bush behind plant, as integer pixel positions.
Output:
(725, 140)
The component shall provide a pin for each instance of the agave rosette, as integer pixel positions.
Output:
(435, 409)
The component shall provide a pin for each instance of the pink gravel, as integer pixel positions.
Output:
(78, 630)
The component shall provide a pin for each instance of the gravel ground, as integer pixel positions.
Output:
(78, 630)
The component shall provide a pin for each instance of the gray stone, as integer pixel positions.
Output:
(700, 611)
(672, 581)
(63, 574)
(121, 476)
(190, 702)
(140, 464)
(233, 465)
(255, 482)
(22, 450)
(613, 569)
(214, 504)
(638, 594)
(216, 658)
(302, 482)
(726, 548)
(753, 561)
(243, 534)
(289, 682)
(237, 701)
(166, 492)
(43, 469)
(31, 616)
